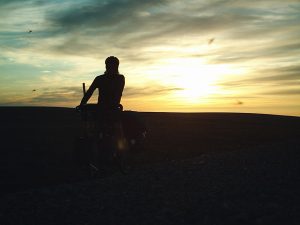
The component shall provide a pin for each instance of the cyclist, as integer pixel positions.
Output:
(108, 124)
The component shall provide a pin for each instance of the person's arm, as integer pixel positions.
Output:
(120, 89)
(122, 84)
(89, 92)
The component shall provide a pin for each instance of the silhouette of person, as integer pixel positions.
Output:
(110, 86)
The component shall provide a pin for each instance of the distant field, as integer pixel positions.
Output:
(37, 142)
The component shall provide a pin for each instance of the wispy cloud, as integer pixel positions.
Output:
(275, 74)
(157, 90)
(69, 94)
(282, 81)
(96, 28)
(59, 95)
(282, 92)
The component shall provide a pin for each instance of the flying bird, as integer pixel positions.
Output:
(30, 31)
(34, 90)
(210, 41)
(239, 102)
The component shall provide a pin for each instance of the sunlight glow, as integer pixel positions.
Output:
(194, 79)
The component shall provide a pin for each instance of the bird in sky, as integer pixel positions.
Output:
(30, 31)
(210, 41)
(238, 102)
(34, 90)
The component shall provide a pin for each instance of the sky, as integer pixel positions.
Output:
(177, 56)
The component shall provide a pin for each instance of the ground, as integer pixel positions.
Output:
(204, 168)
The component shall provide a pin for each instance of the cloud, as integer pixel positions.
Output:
(8, 2)
(62, 96)
(283, 92)
(274, 81)
(58, 95)
(154, 90)
(101, 14)
(280, 75)
(67, 95)
(274, 52)
(95, 26)
(74, 94)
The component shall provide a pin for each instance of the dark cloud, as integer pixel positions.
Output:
(99, 14)
(6, 2)
(168, 26)
(20, 2)
(95, 26)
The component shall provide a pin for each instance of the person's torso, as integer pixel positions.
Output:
(110, 90)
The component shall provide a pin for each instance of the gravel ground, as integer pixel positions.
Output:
(246, 186)
(195, 168)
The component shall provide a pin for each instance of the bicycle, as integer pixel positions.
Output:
(103, 140)
(108, 136)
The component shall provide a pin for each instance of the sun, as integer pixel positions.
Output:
(196, 85)
(194, 79)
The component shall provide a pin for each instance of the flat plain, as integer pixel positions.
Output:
(193, 168)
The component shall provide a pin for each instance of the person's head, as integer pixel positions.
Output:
(112, 65)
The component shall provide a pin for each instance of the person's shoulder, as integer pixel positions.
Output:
(100, 77)
(121, 76)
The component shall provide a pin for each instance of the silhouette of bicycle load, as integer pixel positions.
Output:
(108, 138)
